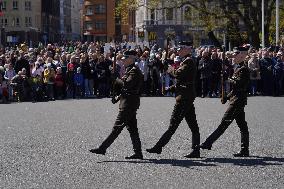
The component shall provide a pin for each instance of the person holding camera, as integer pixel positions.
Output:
(237, 102)
(130, 87)
(184, 89)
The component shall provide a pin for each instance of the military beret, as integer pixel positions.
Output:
(185, 43)
(129, 53)
(239, 49)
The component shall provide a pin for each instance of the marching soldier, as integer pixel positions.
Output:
(129, 87)
(237, 101)
(184, 108)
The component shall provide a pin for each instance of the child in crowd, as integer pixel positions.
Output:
(49, 78)
(79, 82)
(9, 74)
(59, 83)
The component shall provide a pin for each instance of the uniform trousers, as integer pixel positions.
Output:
(184, 109)
(234, 112)
(125, 118)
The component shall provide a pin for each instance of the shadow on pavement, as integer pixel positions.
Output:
(251, 161)
(172, 162)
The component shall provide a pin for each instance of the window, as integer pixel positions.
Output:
(100, 25)
(28, 21)
(89, 10)
(100, 9)
(28, 6)
(152, 14)
(88, 25)
(187, 13)
(5, 22)
(15, 5)
(17, 22)
(169, 14)
(4, 5)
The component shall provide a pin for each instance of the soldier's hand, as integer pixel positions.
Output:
(115, 99)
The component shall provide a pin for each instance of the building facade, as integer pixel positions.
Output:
(76, 14)
(65, 20)
(156, 24)
(50, 14)
(21, 21)
(101, 24)
(98, 20)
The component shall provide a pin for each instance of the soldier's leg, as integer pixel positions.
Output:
(242, 124)
(227, 119)
(190, 118)
(176, 118)
(117, 128)
(131, 125)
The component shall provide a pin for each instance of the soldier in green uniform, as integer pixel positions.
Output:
(237, 101)
(129, 87)
(184, 108)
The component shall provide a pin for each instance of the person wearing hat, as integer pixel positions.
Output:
(184, 108)
(237, 101)
(130, 85)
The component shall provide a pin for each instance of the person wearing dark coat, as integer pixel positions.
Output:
(205, 68)
(278, 74)
(185, 92)
(21, 63)
(130, 87)
(266, 74)
(216, 74)
(237, 102)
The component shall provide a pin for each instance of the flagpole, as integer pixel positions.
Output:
(262, 15)
(277, 22)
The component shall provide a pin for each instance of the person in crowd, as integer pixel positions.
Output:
(21, 63)
(205, 68)
(49, 79)
(70, 86)
(79, 83)
(278, 74)
(9, 74)
(59, 83)
(266, 73)
(216, 74)
(102, 73)
(4, 94)
(254, 68)
(88, 79)
(18, 88)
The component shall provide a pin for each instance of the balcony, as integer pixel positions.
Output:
(150, 22)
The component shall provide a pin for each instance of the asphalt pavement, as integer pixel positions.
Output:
(45, 145)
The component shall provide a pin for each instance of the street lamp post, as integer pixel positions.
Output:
(262, 23)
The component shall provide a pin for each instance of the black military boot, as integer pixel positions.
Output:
(98, 151)
(205, 146)
(154, 150)
(242, 153)
(135, 156)
(194, 154)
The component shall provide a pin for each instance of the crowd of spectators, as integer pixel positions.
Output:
(85, 70)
